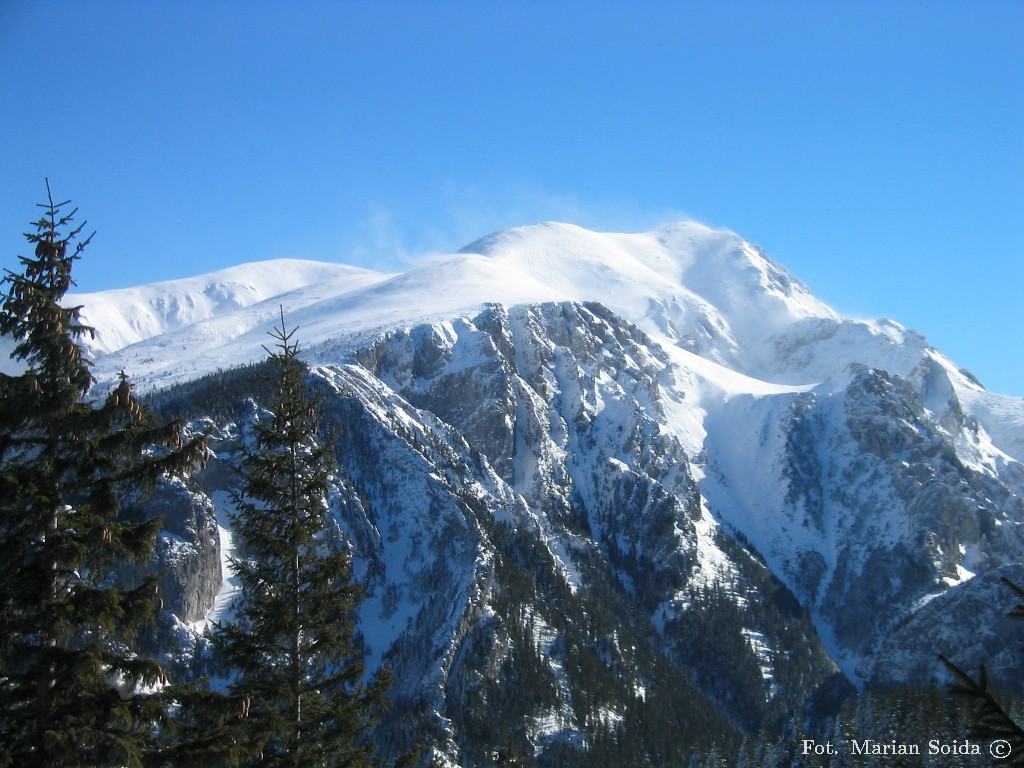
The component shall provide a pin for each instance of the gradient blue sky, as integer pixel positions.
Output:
(876, 149)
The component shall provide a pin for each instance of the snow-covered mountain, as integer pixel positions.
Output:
(705, 291)
(571, 458)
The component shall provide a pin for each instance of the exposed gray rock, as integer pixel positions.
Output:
(188, 550)
(518, 506)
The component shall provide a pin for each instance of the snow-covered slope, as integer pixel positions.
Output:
(552, 416)
(705, 290)
(126, 316)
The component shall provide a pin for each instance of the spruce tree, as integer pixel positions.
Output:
(72, 691)
(294, 647)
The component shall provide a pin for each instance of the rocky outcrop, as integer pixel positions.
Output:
(541, 550)
(187, 555)
(970, 624)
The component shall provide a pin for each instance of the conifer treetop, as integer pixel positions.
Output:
(46, 333)
(295, 651)
(73, 689)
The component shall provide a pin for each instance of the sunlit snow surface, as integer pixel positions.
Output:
(743, 343)
(704, 290)
(223, 609)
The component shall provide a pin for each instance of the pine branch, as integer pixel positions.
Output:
(990, 720)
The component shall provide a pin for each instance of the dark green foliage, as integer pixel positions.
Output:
(601, 647)
(896, 717)
(201, 728)
(294, 645)
(72, 691)
(216, 395)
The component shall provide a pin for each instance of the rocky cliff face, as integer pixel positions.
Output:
(188, 551)
(875, 501)
(529, 531)
(702, 509)
(563, 402)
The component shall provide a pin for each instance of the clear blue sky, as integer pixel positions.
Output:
(876, 149)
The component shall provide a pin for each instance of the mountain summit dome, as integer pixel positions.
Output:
(600, 477)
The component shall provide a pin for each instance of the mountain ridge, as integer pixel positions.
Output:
(661, 303)
(553, 421)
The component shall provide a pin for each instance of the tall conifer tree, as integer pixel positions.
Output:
(293, 647)
(72, 692)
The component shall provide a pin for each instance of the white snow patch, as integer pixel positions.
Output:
(763, 652)
(713, 565)
(223, 608)
(556, 722)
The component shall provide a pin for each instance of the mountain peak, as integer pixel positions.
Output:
(703, 290)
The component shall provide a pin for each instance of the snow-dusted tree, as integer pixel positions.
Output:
(293, 647)
(72, 692)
